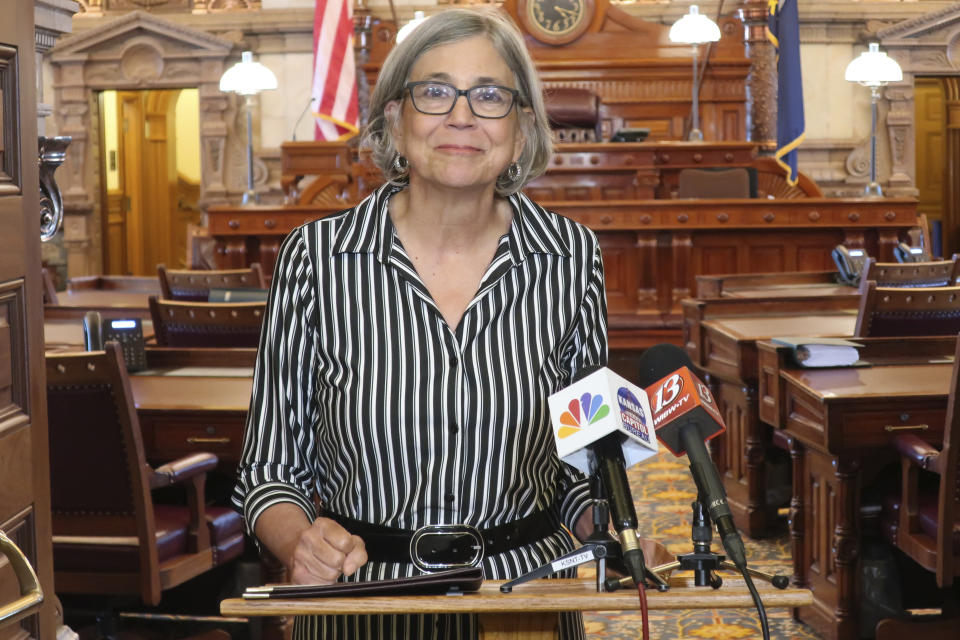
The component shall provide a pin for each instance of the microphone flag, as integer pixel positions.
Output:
(682, 394)
(594, 406)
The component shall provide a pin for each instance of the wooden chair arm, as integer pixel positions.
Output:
(192, 468)
(182, 469)
(918, 452)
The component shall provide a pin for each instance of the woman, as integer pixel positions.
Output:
(412, 341)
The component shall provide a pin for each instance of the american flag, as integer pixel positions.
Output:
(334, 71)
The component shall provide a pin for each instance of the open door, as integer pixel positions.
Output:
(24, 464)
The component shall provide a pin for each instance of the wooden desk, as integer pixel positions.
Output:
(720, 336)
(182, 412)
(768, 285)
(836, 420)
(530, 611)
(111, 303)
(652, 249)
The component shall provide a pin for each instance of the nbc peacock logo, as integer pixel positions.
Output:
(582, 412)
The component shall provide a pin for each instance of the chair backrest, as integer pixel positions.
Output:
(195, 285)
(99, 482)
(725, 182)
(574, 113)
(941, 273)
(772, 181)
(948, 495)
(893, 312)
(206, 324)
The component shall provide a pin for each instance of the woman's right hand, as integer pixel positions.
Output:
(325, 550)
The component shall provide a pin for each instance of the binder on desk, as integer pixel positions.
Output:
(823, 352)
(454, 580)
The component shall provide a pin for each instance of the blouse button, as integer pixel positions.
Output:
(448, 497)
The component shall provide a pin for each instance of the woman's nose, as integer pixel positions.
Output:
(461, 112)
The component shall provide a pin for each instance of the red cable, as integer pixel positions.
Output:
(644, 616)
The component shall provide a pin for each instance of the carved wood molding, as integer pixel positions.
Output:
(135, 51)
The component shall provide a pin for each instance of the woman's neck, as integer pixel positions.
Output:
(449, 218)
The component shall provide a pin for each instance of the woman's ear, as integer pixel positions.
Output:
(391, 112)
(524, 124)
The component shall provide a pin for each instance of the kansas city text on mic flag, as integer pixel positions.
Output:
(334, 94)
(784, 30)
(601, 403)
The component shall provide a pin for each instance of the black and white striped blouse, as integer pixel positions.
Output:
(365, 396)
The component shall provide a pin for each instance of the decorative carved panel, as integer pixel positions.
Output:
(13, 384)
(9, 122)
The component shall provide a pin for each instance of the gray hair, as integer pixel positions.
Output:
(447, 27)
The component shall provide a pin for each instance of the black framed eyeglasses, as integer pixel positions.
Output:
(438, 98)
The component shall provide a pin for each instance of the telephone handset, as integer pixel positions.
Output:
(127, 332)
(849, 264)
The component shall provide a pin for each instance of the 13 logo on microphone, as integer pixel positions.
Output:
(592, 408)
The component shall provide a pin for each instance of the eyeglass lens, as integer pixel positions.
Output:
(486, 101)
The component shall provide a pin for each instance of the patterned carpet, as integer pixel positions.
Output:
(663, 490)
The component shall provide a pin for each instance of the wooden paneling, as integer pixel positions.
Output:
(24, 464)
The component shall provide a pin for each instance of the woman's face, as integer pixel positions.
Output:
(458, 149)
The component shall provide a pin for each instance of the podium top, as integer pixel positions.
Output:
(538, 596)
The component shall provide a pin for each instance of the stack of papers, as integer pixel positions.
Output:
(822, 352)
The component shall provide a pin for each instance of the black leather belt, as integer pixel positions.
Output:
(448, 546)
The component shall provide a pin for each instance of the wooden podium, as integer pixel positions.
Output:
(530, 611)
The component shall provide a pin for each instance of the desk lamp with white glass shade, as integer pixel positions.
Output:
(695, 29)
(873, 69)
(248, 78)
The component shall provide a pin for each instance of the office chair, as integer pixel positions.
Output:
(194, 285)
(206, 324)
(892, 312)
(109, 535)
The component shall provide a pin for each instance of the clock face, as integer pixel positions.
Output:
(556, 21)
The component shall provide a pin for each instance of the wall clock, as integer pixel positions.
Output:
(556, 21)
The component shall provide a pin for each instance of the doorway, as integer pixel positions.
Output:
(151, 177)
(930, 116)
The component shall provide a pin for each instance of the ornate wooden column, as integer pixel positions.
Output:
(762, 79)
(951, 200)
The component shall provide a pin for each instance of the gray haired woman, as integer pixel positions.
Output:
(411, 343)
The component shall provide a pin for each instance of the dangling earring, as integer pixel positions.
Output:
(400, 165)
(513, 171)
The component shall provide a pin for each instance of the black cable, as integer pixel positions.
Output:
(761, 612)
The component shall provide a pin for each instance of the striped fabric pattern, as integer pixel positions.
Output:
(364, 395)
(334, 95)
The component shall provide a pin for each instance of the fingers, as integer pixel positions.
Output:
(324, 551)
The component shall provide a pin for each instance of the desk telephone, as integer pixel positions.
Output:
(127, 332)
(905, 253)
(849, 263)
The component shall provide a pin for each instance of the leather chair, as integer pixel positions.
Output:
(941, 273)
(195, 285)
(888, 311)
(206, 324)
(727, 182)
(574, 114)
(109, 536)
(922, 517)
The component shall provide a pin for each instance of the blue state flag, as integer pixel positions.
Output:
(784, 31)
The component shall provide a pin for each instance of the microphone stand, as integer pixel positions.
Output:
(703, 562)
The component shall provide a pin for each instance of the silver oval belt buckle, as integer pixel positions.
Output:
(436, 547)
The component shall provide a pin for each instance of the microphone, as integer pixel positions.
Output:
(684, 416)
(293, 135)
(604, 442)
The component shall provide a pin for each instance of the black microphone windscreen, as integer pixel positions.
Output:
(583, 373)
(659, 361)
